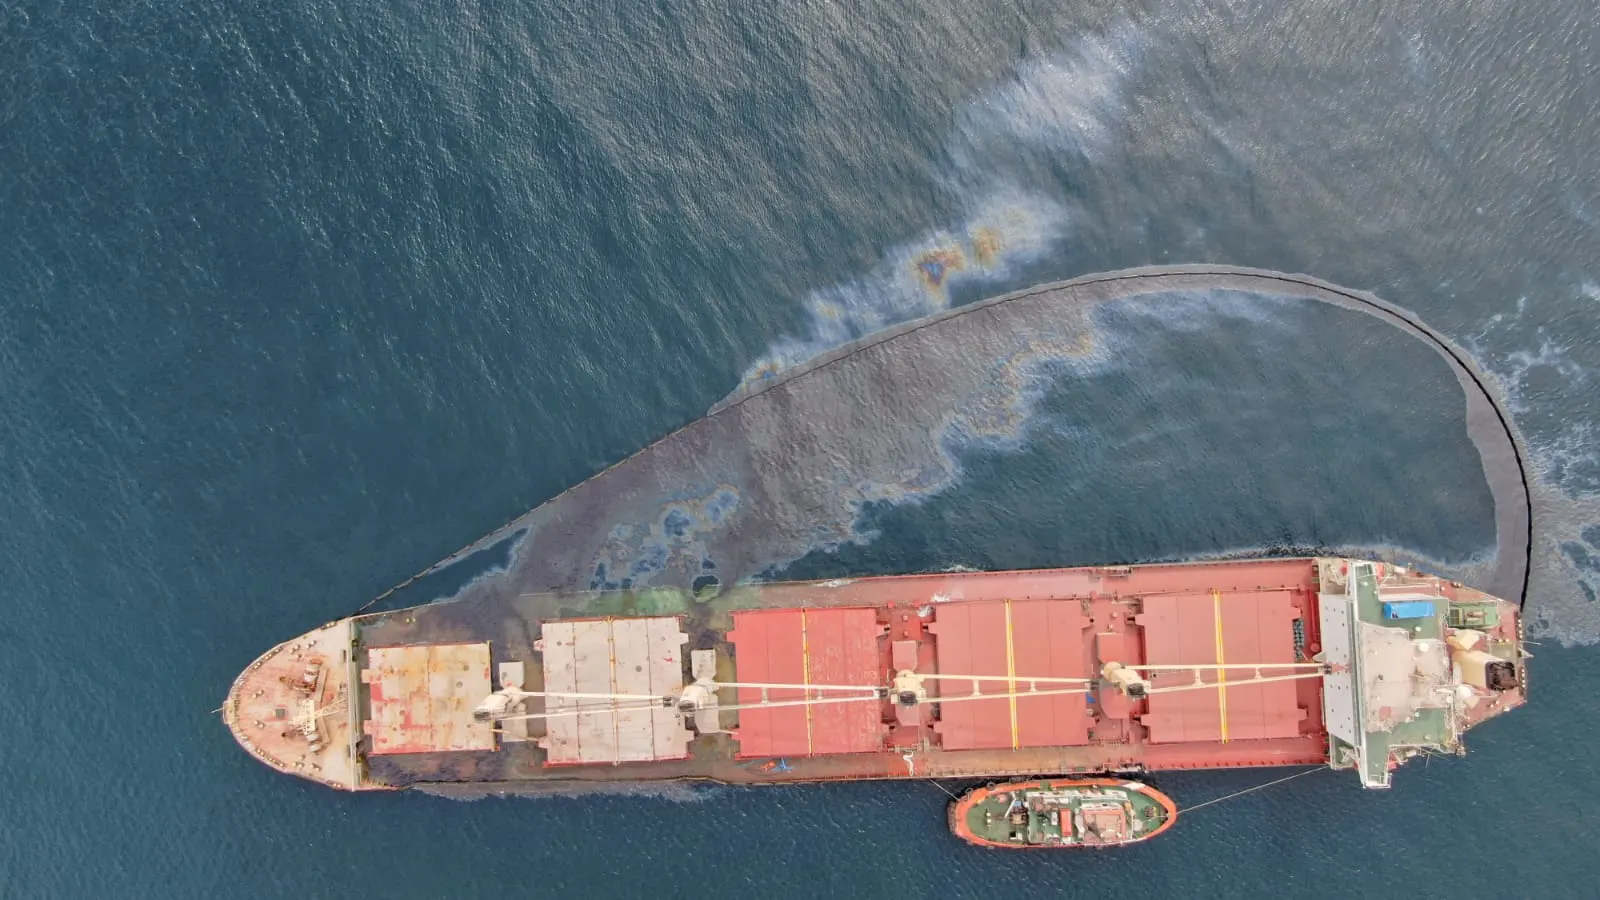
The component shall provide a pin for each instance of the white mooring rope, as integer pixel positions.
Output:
(1248, 790)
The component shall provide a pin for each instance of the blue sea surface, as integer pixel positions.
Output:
(299, 297)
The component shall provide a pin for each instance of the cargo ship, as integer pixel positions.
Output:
(1075, 672)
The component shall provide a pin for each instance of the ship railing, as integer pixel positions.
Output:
(579, 695)
(876, 690)
(1156, 668)
(1021, 686)
(977, 680)
(665, 701)
(1200, 685)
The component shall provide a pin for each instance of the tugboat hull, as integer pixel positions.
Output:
(1062, 813)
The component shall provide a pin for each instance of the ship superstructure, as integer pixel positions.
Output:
(1354, 664)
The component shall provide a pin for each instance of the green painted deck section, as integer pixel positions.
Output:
(1428, 728)
(1369, 608)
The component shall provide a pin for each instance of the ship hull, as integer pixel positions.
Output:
(392, 705)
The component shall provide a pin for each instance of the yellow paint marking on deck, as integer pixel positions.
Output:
(1222, 674)
(805, 675)
(611, 645)
(1011, 676)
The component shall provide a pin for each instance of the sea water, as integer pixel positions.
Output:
(296, 298)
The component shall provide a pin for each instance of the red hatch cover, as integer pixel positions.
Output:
(1042, 638)
(808, 646)
(1221, 628)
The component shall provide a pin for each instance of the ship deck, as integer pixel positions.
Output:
(1011, 628)
(291, 708)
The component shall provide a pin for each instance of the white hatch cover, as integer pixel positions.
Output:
(613, 656)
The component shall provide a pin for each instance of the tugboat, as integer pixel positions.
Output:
(1089, 812)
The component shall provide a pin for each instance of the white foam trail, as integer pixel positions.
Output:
(1067, 103)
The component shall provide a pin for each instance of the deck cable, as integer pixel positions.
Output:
(1186, 810)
